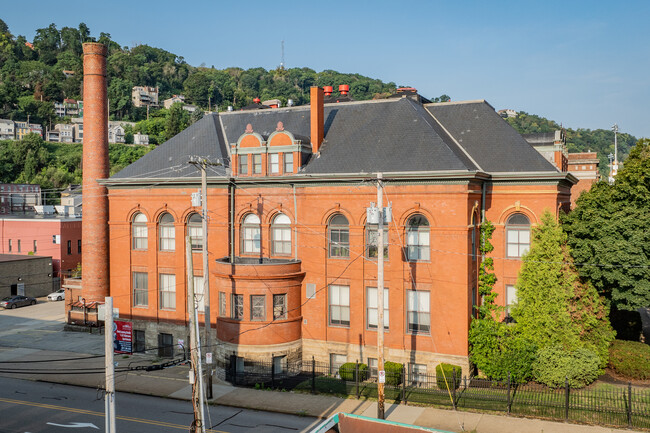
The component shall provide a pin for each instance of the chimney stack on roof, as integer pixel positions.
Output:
(328, 91)
(317, 111)
(344, 89)
(94, 224)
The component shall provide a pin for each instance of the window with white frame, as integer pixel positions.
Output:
(167, 287)
(257, 163)
(371, 242)
(243, 164)
(339, 305)
(511, 297)
(371, 308)
(517, 235)
(199, 298)
(237, 307)
(258, 307)
(418, 311)
(279, 307)
(195, 231)
(373, 367)
(336, 361)
(418, 374)
(222, 304)
(140, 289)
(139, 231)
(166, 232)
(339, 236)
(250, 234)
(281, 235)
(417, 239)
(274, 163)
(288, 162)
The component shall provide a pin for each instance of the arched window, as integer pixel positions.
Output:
(339, 236)
(139, 231)
(281, 234)
(517, 235)
(250, 234)
(166, 232)
(417, 239)
(195, 231)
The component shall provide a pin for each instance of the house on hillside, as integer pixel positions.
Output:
(292, 259)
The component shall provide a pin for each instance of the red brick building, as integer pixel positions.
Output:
(292, 262)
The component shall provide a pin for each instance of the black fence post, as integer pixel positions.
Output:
(403, 377)
(629, 404)
(566, 398)
(356, 377)
(313, 375)
(509, 403)
(272, 373)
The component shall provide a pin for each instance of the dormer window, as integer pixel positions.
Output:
(243, 164)
(274, 163)
(288, 162)
(257, 163)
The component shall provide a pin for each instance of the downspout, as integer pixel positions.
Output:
(295, 224)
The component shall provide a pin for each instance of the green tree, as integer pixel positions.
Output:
(177, 120)
(554, 308)
(609, 236)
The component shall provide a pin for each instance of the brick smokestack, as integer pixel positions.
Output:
(317, 118)
(94, 223)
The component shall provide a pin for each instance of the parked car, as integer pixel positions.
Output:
(17, 301)
(59, 295)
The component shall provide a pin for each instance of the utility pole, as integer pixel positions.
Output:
(109, 397)
(202, 164)
(196, 375)
(380, 300)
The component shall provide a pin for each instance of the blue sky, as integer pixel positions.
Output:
(581, 63)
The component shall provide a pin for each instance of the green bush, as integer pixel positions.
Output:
(348, 371)
(630, 358)
(554, 364)
(394, 373)
(446, 372)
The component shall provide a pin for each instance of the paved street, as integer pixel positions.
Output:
(35, 407)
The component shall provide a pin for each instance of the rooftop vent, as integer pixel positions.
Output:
(328, 90)
(344, 89)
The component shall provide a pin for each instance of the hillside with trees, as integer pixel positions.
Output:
(578, 140)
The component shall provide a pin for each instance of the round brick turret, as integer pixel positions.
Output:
(94, 227)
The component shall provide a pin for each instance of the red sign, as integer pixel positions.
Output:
(122, 337)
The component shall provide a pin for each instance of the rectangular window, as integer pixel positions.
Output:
(418, 374)
(167, 238)
(279, 364)
(140, 234)
(195, 232)
(288, 162)
(140, 289)
(199, 298)
(257, 307)
(372, 367)
(336, 361)
(78, 246)
(371, 242)
(237, 307)
(257, 164)
(274, 163)
(418, 313)
(281, 240)
(243, 164)
(339, 298)
(165, 345)
(473, 243)
(69, 247)
(35, 247)
(20, 251)
(518, 241)
(167, 288)
(339, 242)
(279, 307)
(10, 245)
(371, 305)
(222, 304)
(139, 345)
(511, 297)
(310, 290)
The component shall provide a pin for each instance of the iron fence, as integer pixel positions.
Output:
(612, 405)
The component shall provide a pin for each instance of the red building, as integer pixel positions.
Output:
(292, 262)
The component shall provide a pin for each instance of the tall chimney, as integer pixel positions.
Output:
(317, 118)
(94, 223)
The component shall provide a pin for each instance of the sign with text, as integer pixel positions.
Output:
(381, 376)
(122, 337)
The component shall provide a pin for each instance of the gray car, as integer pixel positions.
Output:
(17, 301)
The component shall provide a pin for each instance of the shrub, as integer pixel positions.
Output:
(348, 371)
(446, 372)
(631, 359)
(394, 373)
(554, 364)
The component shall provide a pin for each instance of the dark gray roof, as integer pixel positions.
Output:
(394, 135)
(170, 160)
(488, 139)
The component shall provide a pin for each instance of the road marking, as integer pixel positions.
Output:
(101, 414)
(75, 425)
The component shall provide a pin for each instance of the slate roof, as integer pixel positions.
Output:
(392, 135)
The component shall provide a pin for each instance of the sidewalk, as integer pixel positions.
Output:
(50, 342)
